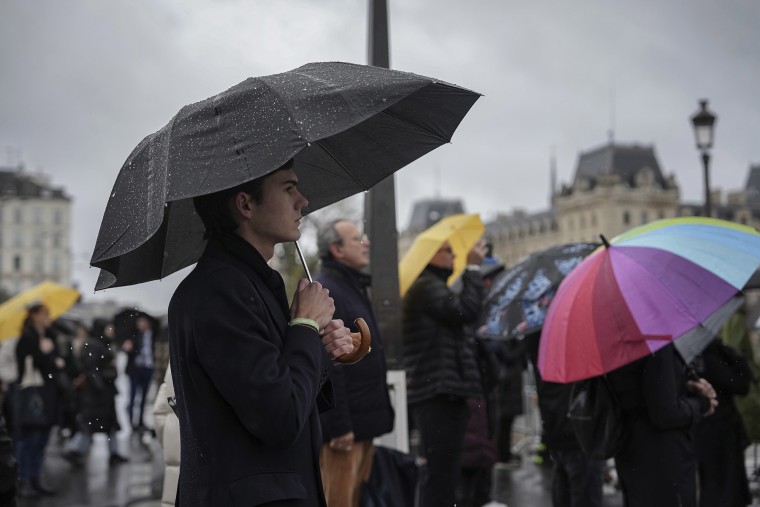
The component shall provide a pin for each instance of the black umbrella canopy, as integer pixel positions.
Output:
(518, 298)
(346, 126)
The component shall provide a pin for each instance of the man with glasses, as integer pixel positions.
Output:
(441, 369)
(362, 406)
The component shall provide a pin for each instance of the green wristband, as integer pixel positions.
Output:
(300, 321)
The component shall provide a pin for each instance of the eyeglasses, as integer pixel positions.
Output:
(360, 239)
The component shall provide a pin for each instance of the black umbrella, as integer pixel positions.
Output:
(517, 301)
(347, 126)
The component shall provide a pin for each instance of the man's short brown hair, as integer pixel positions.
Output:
(214, 209)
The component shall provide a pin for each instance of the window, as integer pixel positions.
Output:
(38, 264)
(644, 217)
(56, 265)
(39, 240)
(56, 240)
(593, 219)
(17, 263)
(626, 218)
(37, 215)
(57, 217)
(18, 239)
(18, 216)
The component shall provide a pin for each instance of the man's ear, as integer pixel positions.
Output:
(335, 250)
(243, 204)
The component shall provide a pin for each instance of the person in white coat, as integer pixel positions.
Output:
(167, 431)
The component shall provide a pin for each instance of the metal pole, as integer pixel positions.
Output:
(380, 218)
(708, 197)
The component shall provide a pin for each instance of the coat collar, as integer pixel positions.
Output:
(250, 261)
(363, 280)
(442, 273)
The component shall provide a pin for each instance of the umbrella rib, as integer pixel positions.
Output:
(409, 122)
(338, 162)
(102, 257)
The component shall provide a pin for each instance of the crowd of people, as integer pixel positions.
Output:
(256, 408)
(59, 378)
(239, 351)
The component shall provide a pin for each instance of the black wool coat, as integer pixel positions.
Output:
(98, 394)
(438, 358)
(658, 465)
(246, 385)
(362, 404)
(722, 438)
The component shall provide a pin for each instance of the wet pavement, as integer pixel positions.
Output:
(135, 483)
(138, 482)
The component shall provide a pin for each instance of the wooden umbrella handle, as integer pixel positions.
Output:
(362, 344)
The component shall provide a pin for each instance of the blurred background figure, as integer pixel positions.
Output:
(511, 360)
(441, 369)
(577, 478)
(722, 438)
(140, 364)
(167, 430)
(97, 392)
(70, 338)
(479, 453)
(36, 400)
(362, 405)
(663, 404)
(8, 468)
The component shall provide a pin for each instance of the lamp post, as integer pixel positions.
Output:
(704, 131)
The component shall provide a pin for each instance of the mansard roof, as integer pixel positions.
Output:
(626, 161)
(15, 182)
(427, 212)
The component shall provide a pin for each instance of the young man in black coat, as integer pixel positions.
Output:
(248, 370)
(362, 406)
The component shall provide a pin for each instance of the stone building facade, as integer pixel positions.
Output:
(615, 187)
(35, 231)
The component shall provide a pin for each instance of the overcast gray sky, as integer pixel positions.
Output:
(82, 82)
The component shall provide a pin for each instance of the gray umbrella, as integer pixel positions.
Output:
(347, 126)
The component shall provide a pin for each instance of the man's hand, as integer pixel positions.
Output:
(478, 253)
(703, 388)
(343, 442)
(312, 301)
(336, 339)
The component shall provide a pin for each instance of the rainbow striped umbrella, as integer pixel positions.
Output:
(644, 289)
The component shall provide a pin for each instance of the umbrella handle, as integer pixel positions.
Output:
(362, 344)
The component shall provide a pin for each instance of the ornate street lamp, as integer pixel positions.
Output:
(704, 131)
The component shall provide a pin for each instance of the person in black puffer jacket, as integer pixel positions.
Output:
(441, 369)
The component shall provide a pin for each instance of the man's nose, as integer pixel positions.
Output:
(303, 202)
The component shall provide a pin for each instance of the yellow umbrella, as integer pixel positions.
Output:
(461, 231)
(56, 297)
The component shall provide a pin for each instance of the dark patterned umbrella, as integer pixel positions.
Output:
(346, 126)
(517, 301)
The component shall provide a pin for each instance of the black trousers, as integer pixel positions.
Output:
(577, 479)
(442, 422)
